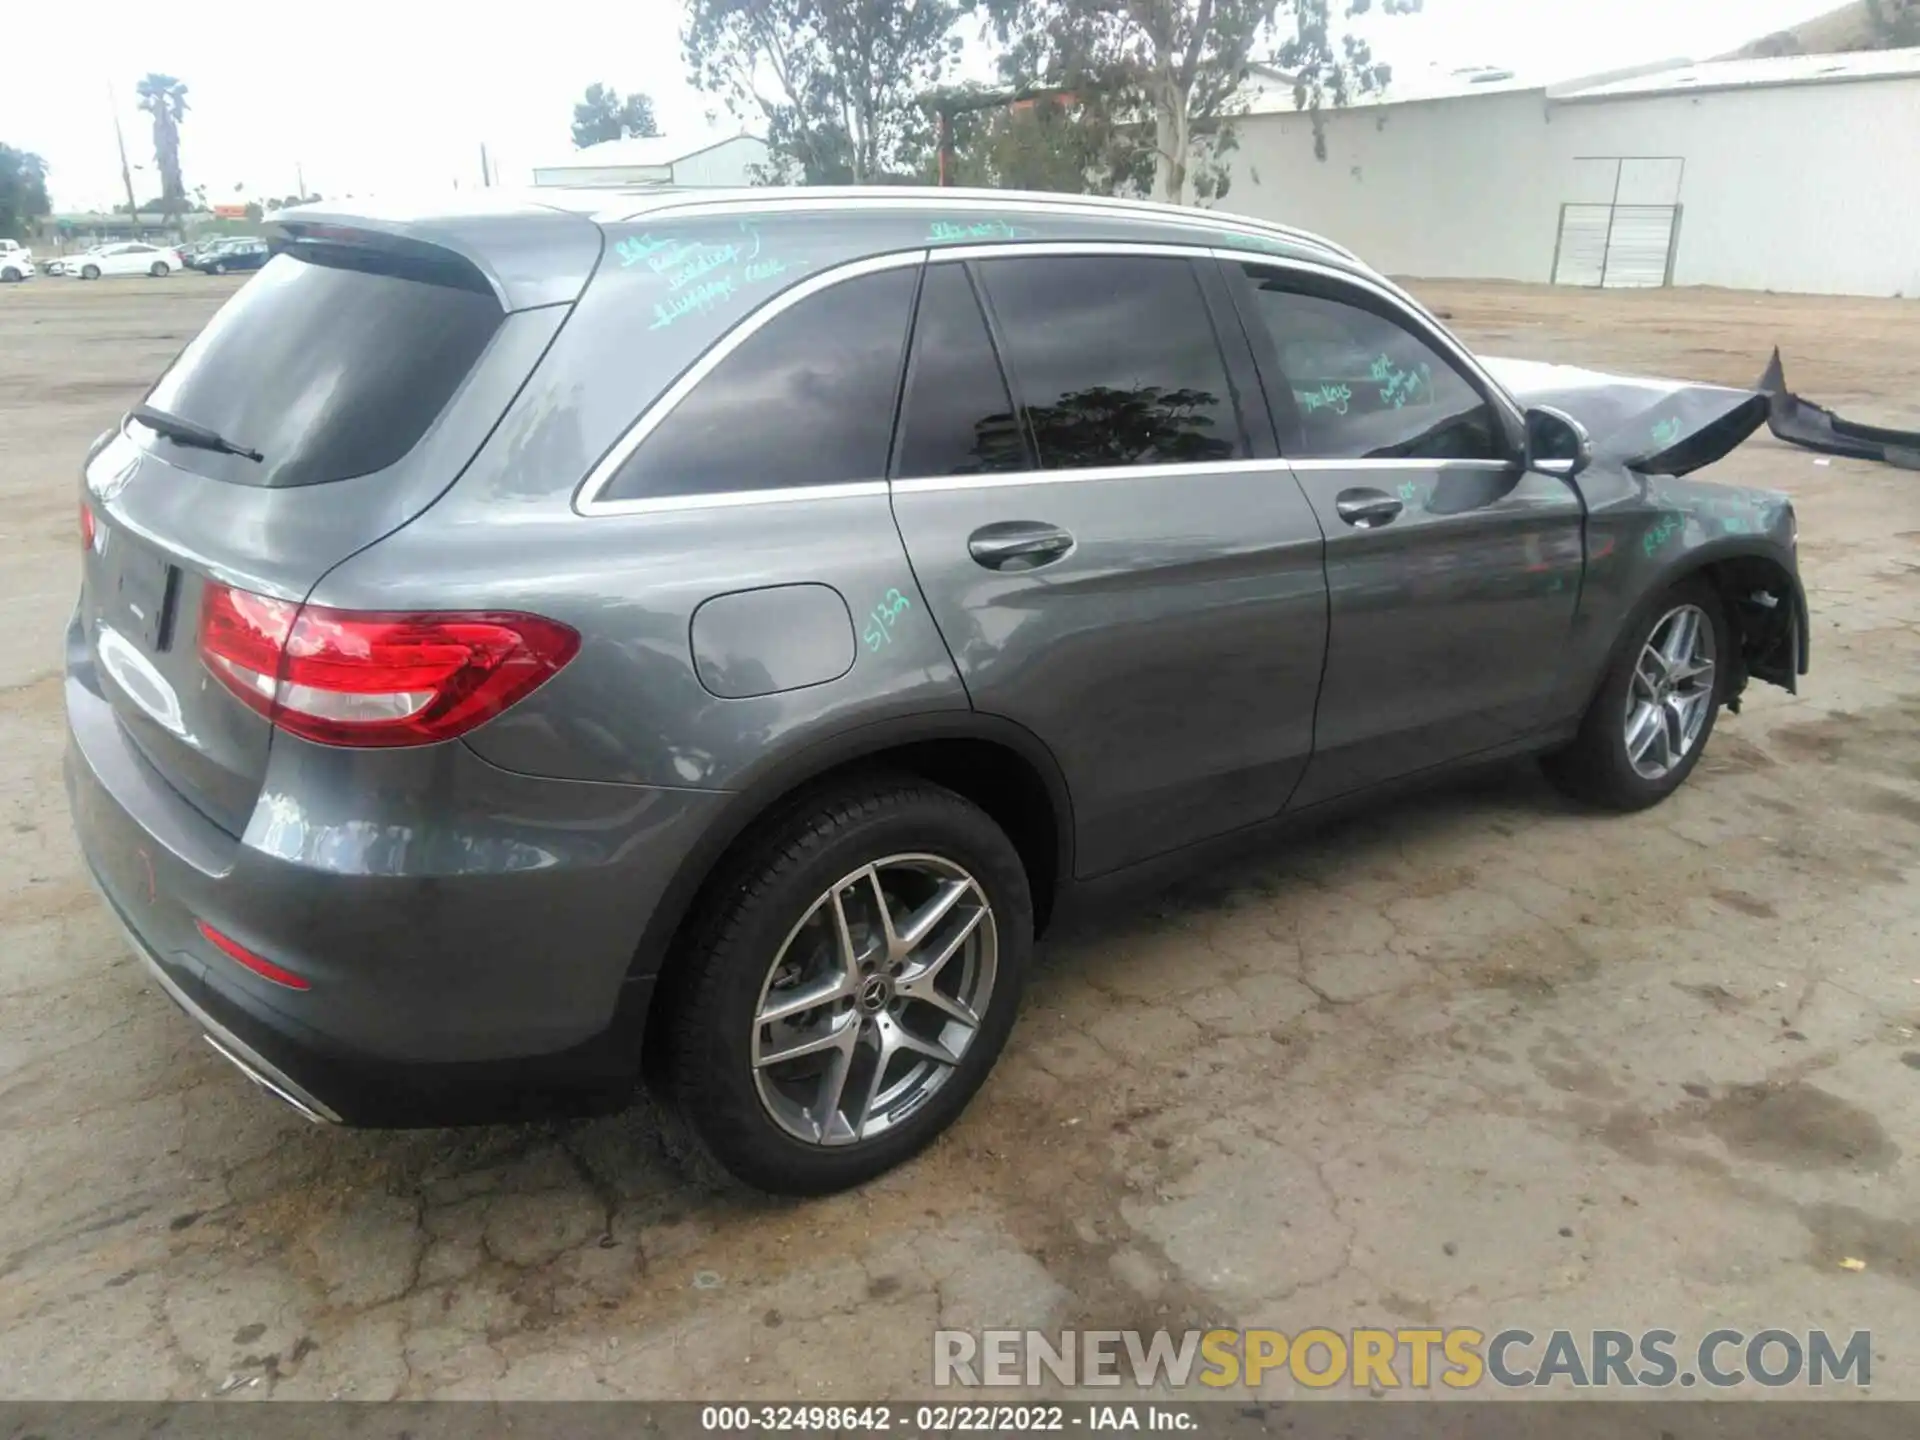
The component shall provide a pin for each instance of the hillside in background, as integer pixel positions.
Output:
(1861, 25)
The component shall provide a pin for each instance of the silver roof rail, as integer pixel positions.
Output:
(887, 197)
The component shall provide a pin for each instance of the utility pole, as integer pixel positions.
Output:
(126, 174)
(299, 180)
(486, 174)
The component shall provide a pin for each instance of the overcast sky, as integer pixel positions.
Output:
(370, 95)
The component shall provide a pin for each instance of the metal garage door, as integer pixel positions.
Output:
(1617, 246)
(1622, 223)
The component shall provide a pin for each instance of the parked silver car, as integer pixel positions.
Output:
(707, 634)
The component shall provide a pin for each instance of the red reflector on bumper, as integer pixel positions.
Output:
(242, 956)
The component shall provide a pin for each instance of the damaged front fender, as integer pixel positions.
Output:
(1648, 528)
(1646, 533)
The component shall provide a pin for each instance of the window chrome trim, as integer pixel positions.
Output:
(730, 499)
(1184, 470)
(1050, 249)
(954, 198)
(1397, 462)
(586, 499)
(993, 479)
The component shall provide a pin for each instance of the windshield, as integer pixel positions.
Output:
(330, 367)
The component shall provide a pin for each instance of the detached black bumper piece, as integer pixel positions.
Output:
(1801, 422)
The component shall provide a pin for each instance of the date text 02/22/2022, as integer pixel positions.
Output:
(945, 1419)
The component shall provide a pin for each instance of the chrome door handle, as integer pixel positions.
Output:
(1367, 509)
(1018, 544)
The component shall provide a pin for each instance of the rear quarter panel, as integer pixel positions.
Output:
(631, 707)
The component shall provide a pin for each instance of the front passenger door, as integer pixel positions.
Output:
(1452, 571)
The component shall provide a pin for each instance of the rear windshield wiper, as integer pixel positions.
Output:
(185, 432)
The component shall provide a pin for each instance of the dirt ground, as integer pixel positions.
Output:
(1475, 1059)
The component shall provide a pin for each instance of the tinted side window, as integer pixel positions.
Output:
(957, 418)
(1114, 360)
(1364, 386)
(807, 399)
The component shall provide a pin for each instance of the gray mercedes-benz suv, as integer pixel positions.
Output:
(716, 630)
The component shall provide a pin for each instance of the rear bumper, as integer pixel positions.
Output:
(469, 935)
(255, 1066)
(329, 1083)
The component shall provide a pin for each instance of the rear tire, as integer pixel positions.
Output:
(798, 916)
(1655, 710)
(159, 269)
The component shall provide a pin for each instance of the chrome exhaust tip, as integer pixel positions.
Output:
(311, 1109)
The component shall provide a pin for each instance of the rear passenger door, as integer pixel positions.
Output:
(1452, 570)
(1105, 538)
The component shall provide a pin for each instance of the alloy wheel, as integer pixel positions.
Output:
(874, 998)
(1671, 694)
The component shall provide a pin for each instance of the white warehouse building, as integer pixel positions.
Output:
(1798, 173)
(661, 160)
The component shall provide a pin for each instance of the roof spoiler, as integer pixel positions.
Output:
(527, 255)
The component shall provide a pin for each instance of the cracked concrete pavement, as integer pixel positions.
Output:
(1474, 1059)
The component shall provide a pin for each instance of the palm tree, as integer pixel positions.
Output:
(165, 99)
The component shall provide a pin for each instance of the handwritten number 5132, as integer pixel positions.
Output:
(881, 618)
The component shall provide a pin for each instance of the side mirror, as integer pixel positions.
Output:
(1557, 444)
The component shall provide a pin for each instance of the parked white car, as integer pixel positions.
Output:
(16, 261)
(132, 257)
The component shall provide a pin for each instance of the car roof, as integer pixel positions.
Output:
(536, 246)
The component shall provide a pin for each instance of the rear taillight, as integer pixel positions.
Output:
(87, 528)
(345, 677)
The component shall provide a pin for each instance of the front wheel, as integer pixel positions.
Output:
(1649, 723)
(89, 272)
(219, 267)
(849, 988)
(10, 275)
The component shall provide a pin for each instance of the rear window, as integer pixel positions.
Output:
(328, 366)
